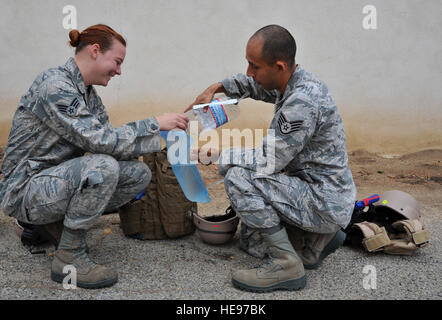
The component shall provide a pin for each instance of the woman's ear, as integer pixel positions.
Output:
(94, 50)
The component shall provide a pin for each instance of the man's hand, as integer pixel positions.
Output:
(171, 121)
(207, 95)
(205, 155)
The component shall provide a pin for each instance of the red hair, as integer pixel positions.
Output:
(99, 33)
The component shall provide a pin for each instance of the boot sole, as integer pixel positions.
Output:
(331, 247)
(96, 285)
(290, 285)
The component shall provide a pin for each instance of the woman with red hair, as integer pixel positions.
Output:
(48, 177)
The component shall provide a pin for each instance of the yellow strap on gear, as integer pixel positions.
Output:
(375, 237)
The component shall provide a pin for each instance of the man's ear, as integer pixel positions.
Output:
(281, 65)
(94, 50)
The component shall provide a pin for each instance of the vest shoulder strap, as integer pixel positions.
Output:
(375, 237)
(415, 231)
(411, 236)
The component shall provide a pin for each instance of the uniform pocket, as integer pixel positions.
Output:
(91, 179)
(46, 199)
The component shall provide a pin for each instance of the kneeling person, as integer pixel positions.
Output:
(46, 175)
(299, 177)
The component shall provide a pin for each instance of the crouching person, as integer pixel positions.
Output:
(47, 175)
(296, 191)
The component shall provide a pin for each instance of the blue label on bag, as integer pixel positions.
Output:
(218, 113)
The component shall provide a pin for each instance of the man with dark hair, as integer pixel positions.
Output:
(278, 44)
(298, 191)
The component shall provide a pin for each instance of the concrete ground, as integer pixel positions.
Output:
(189, 269)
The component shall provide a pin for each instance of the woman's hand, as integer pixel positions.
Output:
(171, 121)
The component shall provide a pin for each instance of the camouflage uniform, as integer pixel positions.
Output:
(46, 174)
(300, 175)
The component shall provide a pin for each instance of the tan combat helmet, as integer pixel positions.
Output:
(217, 229)
(401, 202)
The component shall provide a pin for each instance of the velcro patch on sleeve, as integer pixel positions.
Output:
(70, 110)
(287, 127)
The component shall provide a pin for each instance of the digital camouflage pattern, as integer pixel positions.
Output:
(81, 189)
(300, 175)
(57, 121)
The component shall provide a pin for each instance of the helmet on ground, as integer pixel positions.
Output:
(18, 228)
(217, 229)
(29, 234)
(400, 202)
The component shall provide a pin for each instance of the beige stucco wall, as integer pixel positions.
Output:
(386, 81)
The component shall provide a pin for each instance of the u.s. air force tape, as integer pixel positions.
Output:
(286, 127)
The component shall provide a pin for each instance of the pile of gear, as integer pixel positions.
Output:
(164, 211)
(391, 224)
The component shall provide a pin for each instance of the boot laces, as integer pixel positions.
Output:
(270, 264)
(81, 255)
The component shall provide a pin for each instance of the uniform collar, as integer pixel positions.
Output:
(295, 78)
(75, 73)
(293, 81)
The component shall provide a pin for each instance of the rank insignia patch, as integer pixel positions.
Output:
(71, 109)
(286, 127)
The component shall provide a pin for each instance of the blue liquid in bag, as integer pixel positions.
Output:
(189, 178)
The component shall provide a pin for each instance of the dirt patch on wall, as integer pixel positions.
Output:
(374, 131)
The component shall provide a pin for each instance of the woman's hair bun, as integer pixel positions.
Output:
(74, 35)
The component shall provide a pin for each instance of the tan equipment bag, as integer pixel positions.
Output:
(164, 211)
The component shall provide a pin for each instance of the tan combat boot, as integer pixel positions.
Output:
(72, 251)
(283, 272)
(311, 247)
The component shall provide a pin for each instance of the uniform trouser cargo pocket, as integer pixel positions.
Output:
(46, 199)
